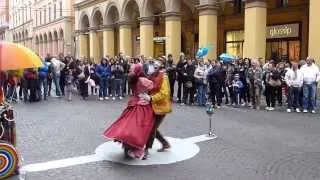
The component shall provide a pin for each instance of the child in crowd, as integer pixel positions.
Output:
(237, 86)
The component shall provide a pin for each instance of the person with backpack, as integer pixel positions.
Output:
(43, 80)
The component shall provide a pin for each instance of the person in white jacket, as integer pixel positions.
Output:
(294, 81)
(311, 76)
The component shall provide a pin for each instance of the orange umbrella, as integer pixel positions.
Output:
(14, 56)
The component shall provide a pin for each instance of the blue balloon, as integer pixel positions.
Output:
(200, 53)
(205, 51)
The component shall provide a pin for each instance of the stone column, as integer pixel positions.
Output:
(255, 29)
(108, 41)
(125, 32)
(173, 34)
(94, 45)
(41, 48)
(314, 30)
(49, 47)
(83, 45)
(208, 29)
(146, 36)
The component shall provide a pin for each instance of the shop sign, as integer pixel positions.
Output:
(155, 39)
(283, 31)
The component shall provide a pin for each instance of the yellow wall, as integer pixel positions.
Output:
(208, 34)
(108, 42)
(83, 45)
(314, 30)
(126, 40)
(173, 34)
(146, 40)
(255, 32)
(94, 46)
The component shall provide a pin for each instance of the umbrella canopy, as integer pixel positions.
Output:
(14, 56)
(226, 57)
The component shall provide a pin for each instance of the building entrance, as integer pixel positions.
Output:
(283, 50)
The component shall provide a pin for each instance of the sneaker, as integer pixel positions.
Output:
(268, 108)
(305, 111)
(271, 109)
(114, 98)
(106, 98)
(182, 104)
(313, 112)
(243, 104)
(288, 110)
(298, 110)
(101, 99)
(120, 97)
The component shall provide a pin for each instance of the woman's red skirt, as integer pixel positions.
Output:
(133, 127)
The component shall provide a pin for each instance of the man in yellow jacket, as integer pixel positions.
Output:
(161, 105)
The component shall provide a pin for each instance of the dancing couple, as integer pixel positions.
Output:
(137, 127)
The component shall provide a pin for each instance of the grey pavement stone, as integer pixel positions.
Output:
(250, 145)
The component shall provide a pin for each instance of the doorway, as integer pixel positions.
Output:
(283, 50)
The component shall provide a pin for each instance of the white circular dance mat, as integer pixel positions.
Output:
(180, 150)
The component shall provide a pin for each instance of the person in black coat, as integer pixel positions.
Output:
(189, 83)
(215, 83)
(172, 73)
(180, 78)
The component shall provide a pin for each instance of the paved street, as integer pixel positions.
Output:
(251, 145)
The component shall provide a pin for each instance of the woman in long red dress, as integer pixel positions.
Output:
(134, 126)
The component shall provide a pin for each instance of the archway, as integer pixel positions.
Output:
(155, 8)
(50, 44)
(130, 26)
(45, 44)
(41, 45)
(96, 36)
(61, 43)
(55, 47)
(37, 45)
(84, 45)
(111, 33)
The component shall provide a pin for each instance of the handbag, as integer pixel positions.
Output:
(188, 84)
(274, 83)
(81, 75)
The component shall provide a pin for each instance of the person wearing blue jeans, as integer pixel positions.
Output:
(118, 75)
(311, 75)
(56, 80)
(103, 72)
(309, 96)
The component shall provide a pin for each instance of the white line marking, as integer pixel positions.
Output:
(182, 149)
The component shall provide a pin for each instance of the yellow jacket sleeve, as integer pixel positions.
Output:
(164, 91)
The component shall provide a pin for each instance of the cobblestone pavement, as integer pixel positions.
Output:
(250, 145)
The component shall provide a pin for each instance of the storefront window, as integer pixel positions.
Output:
(234, 43)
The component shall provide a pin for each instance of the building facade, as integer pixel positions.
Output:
(268, 29)
(46, 26)
(4, 18)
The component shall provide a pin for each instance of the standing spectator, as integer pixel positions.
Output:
(69, 84)
(311, 76)
(57, 67)
(230, 74)
(103, 72)
(48, 59)
(189, 86)
(200, 76)
(31, 78)
(272, 81)
(215, 82)
(63, 72)
(254, 77)
(181, 78)
(126, 69)
(118, 75)
(43, 80)
(294, 81)
(225, 93)
(84, 73)
(172, 73)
